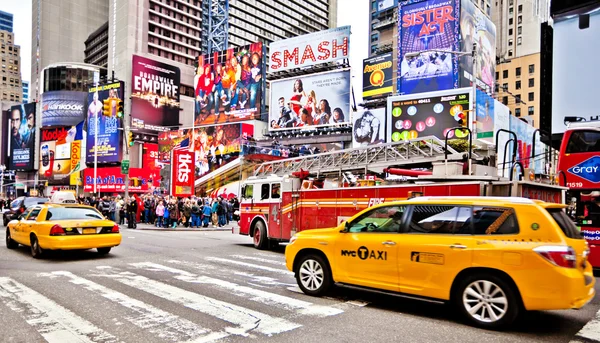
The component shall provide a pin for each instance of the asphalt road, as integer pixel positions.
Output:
(204, 286)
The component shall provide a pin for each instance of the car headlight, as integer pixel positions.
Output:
(293, 239)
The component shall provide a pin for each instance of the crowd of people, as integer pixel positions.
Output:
(165, 211)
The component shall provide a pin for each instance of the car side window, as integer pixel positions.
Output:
(34, 214)
(440, 219)
(276, 191)
(491, 220)
(26, 213)
(381, 219)
(264, 191)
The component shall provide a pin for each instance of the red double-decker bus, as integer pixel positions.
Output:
(579, 170)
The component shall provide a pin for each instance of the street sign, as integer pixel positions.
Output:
(125, 167)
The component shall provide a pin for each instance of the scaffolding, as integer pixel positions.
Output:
(215, 24)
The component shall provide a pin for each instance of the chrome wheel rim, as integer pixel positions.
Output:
(485, 301)
(311, 275)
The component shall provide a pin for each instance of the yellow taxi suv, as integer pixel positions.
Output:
(491, 258)
(62, 227)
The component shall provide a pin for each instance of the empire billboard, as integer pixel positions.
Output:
(155, 94)
(109, 135)
(22, 136)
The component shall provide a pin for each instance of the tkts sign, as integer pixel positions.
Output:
(183, 173)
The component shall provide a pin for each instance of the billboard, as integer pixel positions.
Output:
(183, 173)
(63, 108)
(369, 128)
(310, 101)
(22, 136)
(383, 5)
(484, 111)
(477, 27)
(75, 162)
(229, 85)
(55, 151)
(378, 73)
(110, 179)
(154, 94)
(109, 136)
(150, 156)
(310, 49)
(427, 114)
(428, 25)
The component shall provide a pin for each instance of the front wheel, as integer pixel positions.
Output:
(260, 239)
(103, 251)
(10, 243)
(487, 301)
(313, 275)
(36, 250)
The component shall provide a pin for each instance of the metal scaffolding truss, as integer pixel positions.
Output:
(421, 150)
(215, 23)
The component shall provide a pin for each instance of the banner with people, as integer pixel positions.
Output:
(109, 136)
(22, 136)
(369, 128)
(315, 100)
(229, 85)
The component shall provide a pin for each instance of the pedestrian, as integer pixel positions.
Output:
(160, 212)
(206, 212)
(132, 209)
(112, 208)
(214, 211)
(121, 210)
(187, 212)
(195, 214)
(173, 212)
(222, 212)
(147, 209)
(166, 215)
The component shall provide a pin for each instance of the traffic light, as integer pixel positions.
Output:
(130, 138)
(463, 122)
(134, 182)
(120, 109)
(106, 107)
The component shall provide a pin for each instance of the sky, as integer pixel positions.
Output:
(355, 15)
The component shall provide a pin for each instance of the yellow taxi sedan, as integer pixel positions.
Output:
(492, 258)
(62, 227)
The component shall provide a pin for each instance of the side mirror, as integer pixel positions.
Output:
(345, 229)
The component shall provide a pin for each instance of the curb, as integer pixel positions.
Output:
(590, 333)
(182, 229)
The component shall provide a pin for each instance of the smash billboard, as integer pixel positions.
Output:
(229, 85)
(109, 135)
(428, 25)
(22, 136)
(154, 94)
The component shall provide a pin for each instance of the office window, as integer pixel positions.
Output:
(505, 86)
(510, 21)
(497, 75)
(518, 71)
(520, 30)
(373, 49)
(519, 20)
(510, 32)
(505, 100)
(510, 11)
(519, 40)
(505, 74)
(517, 112)
(520, 9)
(531, 68)
(518, 85)
(531, 96)
(374, 37)
(530, 110)
(518, 98)
(531, 82)
(510, 41)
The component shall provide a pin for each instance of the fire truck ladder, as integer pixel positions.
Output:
(420, 150)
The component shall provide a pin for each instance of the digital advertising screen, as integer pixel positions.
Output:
(55, 151)
(428, 114)
(22, 136)
(316, 100)
(229, 85)
(378, 73)
(109, 136)
(422, 26)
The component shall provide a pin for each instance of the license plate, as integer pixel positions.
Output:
(89, 231)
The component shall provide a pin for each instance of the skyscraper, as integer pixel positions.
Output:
(6, 21)
(10, 73)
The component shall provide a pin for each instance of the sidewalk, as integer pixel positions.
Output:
(150, 227)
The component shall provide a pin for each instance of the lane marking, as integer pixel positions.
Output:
(161, 323)
(54, 322)
(267, 298)
(590, 332)
(246, 319)
(259, 259)
(249, 265)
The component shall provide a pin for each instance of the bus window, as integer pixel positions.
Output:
(584, 141)
(276, 191)
(264, 191)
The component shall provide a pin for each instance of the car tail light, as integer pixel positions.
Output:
(115, 229)
(561, 256)
(57, 230)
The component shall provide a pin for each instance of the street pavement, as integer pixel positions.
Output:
(203, 286)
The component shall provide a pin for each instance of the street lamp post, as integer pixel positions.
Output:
(2, 169)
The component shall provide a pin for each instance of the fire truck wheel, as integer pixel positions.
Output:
(260, 239)
(313, 275)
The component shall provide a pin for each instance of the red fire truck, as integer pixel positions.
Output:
(579, 170)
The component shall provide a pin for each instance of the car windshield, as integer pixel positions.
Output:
(62, 213)
(35, 201)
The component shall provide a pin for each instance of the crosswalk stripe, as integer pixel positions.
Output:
(257, 295)
(259, 259)
(164, 324)
(248, 320)
(54, 322)
(249, 265)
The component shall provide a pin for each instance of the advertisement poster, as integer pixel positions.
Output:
(22, 136)
(183, 173)
(310, 101)
(428, 25)
(307, 50)
(63, 108)
(229, 85)
(477, 27)
(378, 73)
(75, 163)
(214, 146)
(525, 142)
(501, 121)
(154, 94)
(110, 179)
(109, 135)
(485, 115)
(55, 151)
(369, 128)
(428, 114)
(150, 156)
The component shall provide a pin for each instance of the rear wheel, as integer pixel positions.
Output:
(36, 250)
(10, 243)
(5, 220)
(260, 239)
(103, 251)
(313, 275)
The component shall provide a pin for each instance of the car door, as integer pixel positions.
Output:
(28, 225)
(17, 229)
(436, 245)
(366, 251)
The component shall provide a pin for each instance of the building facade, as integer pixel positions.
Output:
(6, 21)
(10, 87)
(25, 91)
(518, 87)
(96, 47)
